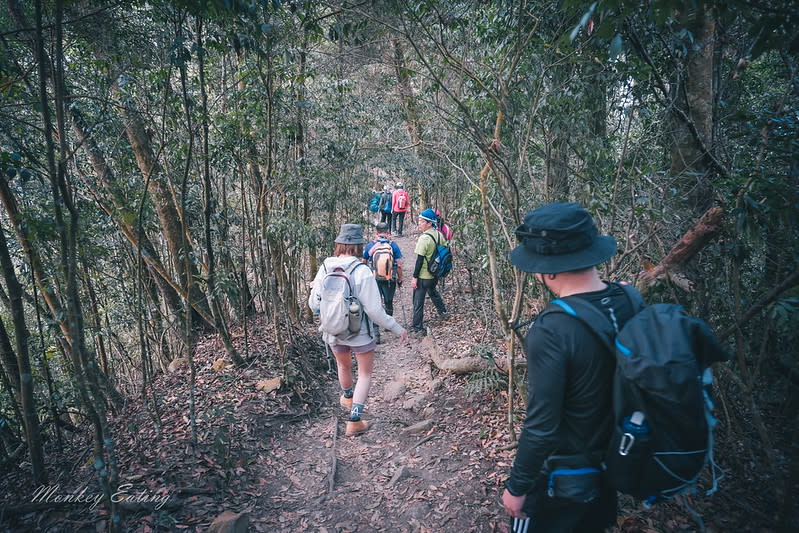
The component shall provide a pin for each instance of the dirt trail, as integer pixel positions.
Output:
(437, 477)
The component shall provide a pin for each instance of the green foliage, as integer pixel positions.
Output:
(485, 381)
(785, 314)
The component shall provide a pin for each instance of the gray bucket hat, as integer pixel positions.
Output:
(560, 237)
(350, 234)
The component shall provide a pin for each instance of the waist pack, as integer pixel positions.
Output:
(663, 424)
(575, 478)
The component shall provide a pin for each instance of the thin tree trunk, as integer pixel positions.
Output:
(26, 390)
(207, 211)
(695, 100)
(411, 111)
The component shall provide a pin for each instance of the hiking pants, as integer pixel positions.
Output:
(387, 290)
(424, 287)
(398, 221)
(385, 217)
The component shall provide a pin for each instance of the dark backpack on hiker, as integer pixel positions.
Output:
(440, 263)
(381, 259)
(374, 203)
(386, 201)
(663, 426)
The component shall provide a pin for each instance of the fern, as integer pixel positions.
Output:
(489, 380)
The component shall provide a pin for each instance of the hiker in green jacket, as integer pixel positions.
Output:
(423, 282)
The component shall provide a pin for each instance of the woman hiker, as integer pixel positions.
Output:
(347, 254)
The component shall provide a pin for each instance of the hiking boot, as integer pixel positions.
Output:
(443, 316)
(356, 428)
(416, 333)
(346, 403)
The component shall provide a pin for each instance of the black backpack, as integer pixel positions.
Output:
(385, 201)
(663, 426)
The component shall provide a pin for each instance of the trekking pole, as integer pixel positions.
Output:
(330, 370)
(404, 316)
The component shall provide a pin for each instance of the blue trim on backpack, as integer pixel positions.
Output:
(566, 307)
(626, 352)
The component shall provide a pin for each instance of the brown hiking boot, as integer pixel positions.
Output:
(346, 403)
(356, 428)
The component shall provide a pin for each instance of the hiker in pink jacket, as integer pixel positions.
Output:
(400, 203)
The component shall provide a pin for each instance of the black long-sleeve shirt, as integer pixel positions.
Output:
(570, 377)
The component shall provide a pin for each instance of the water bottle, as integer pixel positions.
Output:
(635, 428)
(354, 316)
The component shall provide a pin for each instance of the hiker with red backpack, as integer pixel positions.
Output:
(345, 294)
(570, 379)
(383, 255)
(441, 226)
(400, 203)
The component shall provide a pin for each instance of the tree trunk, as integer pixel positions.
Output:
(27, 402)
(408, 100)
(694, 97)
(556, 180)
(207, 211)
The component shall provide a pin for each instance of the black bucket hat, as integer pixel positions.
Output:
(350, 234)
(560, 237)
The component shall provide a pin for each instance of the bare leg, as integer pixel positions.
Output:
(344, 365)
(365, 364)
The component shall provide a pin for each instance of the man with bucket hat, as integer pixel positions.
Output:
(568, 421)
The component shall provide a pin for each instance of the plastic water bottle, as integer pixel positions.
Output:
(354, 316)
(635, 428)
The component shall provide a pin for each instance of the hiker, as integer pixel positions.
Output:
(347, 254)
(423, 282)
(383, 256)
(374, 201)
(569, 370)
(385, 205)
(399, 206)
(442, 227)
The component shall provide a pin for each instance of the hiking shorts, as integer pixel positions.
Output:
(341, 349)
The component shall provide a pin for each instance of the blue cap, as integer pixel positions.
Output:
(429, 215)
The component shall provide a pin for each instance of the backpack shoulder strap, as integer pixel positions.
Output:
(589, 315)
(352, 266)
(436, 244)
(635, 297)
(592, 317)
(350, 270)
(436, 239)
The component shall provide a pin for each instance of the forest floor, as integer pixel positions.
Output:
(433, 459)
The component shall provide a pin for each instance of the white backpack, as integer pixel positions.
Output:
(337, 293)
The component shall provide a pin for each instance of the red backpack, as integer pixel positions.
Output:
(402, 200)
